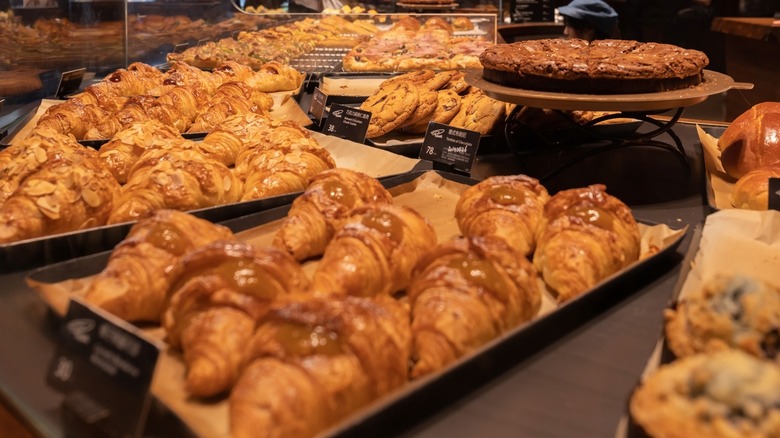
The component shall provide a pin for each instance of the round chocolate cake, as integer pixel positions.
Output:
(600, 67)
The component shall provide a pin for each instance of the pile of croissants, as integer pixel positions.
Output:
(386, 302)
(50, 183)
(183, 97)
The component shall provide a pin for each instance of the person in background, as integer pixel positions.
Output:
(589, 20)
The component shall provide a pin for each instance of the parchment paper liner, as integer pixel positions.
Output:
(733, 241)
(431, 195)
(720, 184)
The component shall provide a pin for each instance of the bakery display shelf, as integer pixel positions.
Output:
(418, 399)
(320, 60)
(593, 138)
(428, 6)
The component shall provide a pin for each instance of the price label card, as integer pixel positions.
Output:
(317, 107)
(70, 82)
(109, 362)
(347, 122)
(455, 147)
(178, 48)
(774, 194)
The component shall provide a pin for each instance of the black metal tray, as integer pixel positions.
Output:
(419, 399)
(31, 253)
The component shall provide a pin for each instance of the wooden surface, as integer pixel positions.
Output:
(10, 427)
(752, 50)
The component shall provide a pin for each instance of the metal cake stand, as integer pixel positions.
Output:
(617, 129)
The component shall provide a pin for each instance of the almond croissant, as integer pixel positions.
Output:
(375, 251)
(219, 292)
(121, 153)
(585, 235)
(27, 156)
(179, 178)
(134, 284)
(465, 293)
(322, 209)
(509, 207)
(70, 192)
(314, 360)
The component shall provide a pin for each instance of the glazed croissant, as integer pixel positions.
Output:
(466, 292)
(181, 74)
(585, 235)
(70, 192)
(126, 147)
(219, 292)
(185, 102)
(374, 252)
(283, 136)
(322, 209)
(136, 80)
(275, 76)
(180, 179)
(134, 284)
(314, 360)
(509, 207)
(25, 157)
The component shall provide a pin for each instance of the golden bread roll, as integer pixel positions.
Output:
(752, 140)
(752, 190)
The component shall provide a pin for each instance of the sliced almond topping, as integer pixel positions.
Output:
(91, 197)
(39, 188)
(48, 208)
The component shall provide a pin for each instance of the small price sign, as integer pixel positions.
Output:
(104, 366)
(774, 194)
(317, 107)
(453, 147)
(70, 82)
(347, 122)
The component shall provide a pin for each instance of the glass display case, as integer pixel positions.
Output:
(42, 39)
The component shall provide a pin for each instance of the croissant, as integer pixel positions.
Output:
(218, 293)
(464, 293)
(234, 132)
(136, 80)
(374, 252)
(314, 360)
(584, 236)
(278, 136)
(101, 94)
(137, 109)
(71, 117)
(134, 284)
(231, 71)
(221, 108)
(25, 157)
(181, 74)
(125, 148)
(509, 207)
(277, 173)
(322, 209)
(185, 102)
(71, 192)
(179, 179)
(275, 76)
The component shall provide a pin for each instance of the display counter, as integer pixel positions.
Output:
(752, 47)
(577, 384)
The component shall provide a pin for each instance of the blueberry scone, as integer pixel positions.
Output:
(727, 312)
(723, 394)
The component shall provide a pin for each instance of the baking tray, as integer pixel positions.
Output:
(732, 241)
(418, 399)
(714, 83)
(31, 253)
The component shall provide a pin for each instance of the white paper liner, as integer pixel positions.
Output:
(431, 195)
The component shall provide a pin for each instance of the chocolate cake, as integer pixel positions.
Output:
(599, 67)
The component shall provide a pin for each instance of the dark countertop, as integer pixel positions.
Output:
(577, 385)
